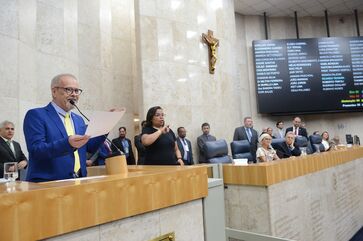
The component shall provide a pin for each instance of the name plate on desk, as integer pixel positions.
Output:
(240, 162)
(165, 237)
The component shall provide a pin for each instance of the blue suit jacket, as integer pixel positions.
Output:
(50, 154)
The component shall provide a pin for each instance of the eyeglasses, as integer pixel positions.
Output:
(159, 115)
(70, 91)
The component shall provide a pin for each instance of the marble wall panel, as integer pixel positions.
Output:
(50, 29)
(40, 39)
(321, 206)
(182, 82)
(27, 21)
(27, 77)
(8, 18)
(247, 208)
(9, 66)
(186, 220)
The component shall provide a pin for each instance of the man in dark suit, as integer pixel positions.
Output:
(296, 128)
(202, 139)
(10, 150)
(288, 148)
(55, 136)
(140, 147)
(247, 132)
(124, 145)
(185, 147)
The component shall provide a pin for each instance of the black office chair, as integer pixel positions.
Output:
(241, 150)
(316, 144)
(216, 152)
(277, 142)
(302, 141)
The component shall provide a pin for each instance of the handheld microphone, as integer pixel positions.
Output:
(119, 152)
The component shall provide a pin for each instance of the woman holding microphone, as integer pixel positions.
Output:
(159, 140)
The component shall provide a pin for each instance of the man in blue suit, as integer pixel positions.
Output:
(55, 137)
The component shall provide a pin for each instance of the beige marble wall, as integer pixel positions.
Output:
(93, 39)
(186, 220)
(322, 206)
(249, 28)
(174, 70)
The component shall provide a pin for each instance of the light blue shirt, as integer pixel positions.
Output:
(62, 113)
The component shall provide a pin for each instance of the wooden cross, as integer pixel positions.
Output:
(212, 43)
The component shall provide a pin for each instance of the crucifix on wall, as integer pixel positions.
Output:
(212, 43)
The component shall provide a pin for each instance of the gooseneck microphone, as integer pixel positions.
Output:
(119, 152)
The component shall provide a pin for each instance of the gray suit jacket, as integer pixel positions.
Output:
(240, 134)
(200, 141)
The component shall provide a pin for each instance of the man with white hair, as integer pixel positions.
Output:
(288, 148)
(55, 136)
(10, 150)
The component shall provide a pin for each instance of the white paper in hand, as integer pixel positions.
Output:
(102, 122)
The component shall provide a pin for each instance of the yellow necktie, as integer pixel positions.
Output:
(70, 131)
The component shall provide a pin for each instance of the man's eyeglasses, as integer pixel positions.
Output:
(70, 91)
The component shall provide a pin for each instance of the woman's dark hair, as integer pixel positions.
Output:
(278, 123)
(150, 114)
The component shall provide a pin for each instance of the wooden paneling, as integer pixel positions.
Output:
(265, 174)
(31, 211)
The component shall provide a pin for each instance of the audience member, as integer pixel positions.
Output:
(264, 130)
(288, 148)
(265, 153)
(98, 158)
(202, 139)
(296, 128)
(280, 132)
(247, 132)
(184, 146)
(124, 145)
(269, 131)
(325, 140)
(159, 140)
(10, 150)
(55, 136)
(140, 148)
(316, 133)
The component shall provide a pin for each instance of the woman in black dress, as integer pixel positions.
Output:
(159, 140)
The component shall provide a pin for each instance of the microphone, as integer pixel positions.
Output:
(119, 152)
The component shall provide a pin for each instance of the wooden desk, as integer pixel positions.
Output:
(32, 211)
(269, 173)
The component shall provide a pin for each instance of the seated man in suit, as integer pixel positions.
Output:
(247, 132)
(297, 129)
(55, 136)
(185, 146)
(202, 139)
(10, 150)
(288, 148)
(124, 145)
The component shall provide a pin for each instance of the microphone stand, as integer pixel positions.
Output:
(119, 152)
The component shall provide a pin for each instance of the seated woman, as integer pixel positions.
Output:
(325, 140)
(266, 153)
(159, 140)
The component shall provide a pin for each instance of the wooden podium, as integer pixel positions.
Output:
(33, 211)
